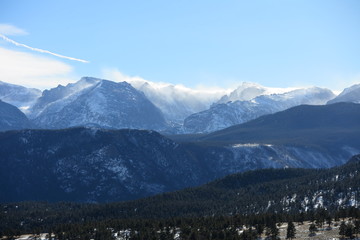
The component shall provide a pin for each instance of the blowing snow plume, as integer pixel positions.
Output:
(40, 50)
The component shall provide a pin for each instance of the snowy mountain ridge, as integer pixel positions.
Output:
(248, 91)
(184, 110)
(220, 116)
(96, 102)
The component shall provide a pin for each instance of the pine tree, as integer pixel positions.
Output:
(290, 231)
(342, 229)
(267, 232)
(312, 229)
(272, 232)
(349, 231)
(259, 229)
(329, 221)
(357, 227)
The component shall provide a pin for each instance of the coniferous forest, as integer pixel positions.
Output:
(240, 206)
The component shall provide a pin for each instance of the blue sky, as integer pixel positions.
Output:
(194, 43)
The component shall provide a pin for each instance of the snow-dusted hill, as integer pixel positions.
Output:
(220, 116)
(96, 102)
(19, 96)
(351, 94)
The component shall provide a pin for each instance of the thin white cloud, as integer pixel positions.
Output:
(31, 70)
(137, 82)
(197, 99)
(10, 30)
(40, 50)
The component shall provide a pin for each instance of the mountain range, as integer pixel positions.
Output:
(224, 115)
(170, 109)
(97, 165)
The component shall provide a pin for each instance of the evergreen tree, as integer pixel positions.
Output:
(357, 227)
(312, 229)
(193, 236)
(349, 231)
(267, 232)
(248, 235)
(259, 229)
(272, 232)
(342, 229)
(290, 231)
(329, 221)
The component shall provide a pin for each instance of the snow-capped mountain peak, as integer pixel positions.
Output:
(224, 115)
(349, 89)
(247, 91)
(96, 102)
(350, 94)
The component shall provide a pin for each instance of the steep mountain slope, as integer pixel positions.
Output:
(92, 165)
(351, 94)
(19, 96)
(220, 116)
(61, 92)
(96, 102)
(12, 118)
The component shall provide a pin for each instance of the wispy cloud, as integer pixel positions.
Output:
(40, 50)
(31, 70)
(116, 75)
(11, 30)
